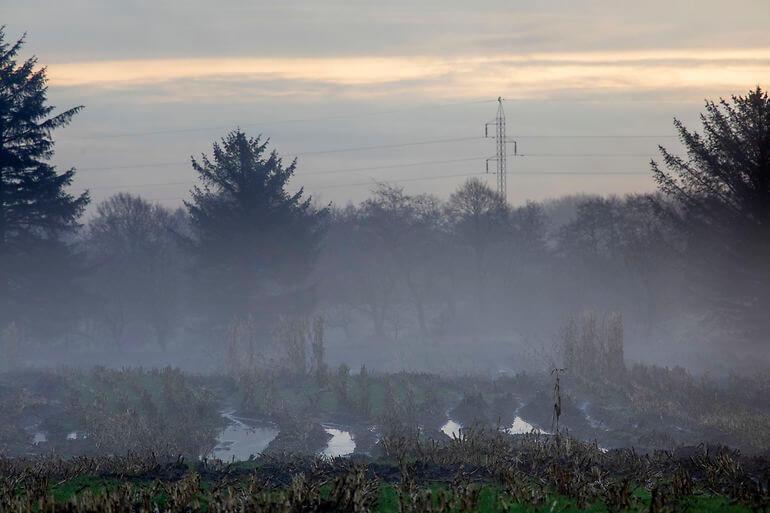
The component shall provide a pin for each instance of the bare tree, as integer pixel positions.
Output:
(138, 266)
(478, 217)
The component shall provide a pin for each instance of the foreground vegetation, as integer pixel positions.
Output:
(480, 471)
(623, 438)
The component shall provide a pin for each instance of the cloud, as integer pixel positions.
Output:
(147, 66)
(107, 29)
(536, 75)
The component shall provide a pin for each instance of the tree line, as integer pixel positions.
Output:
(246, 251)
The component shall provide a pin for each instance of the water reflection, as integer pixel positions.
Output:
(451, 429)
(521, 427)
(240, 441)
(341, 443)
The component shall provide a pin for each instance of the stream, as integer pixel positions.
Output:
(239, 441)
(341, 443)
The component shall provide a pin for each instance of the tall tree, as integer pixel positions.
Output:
(358, 274)
(254, 239)
(35, 209)
(522, 266)
(409, 230)
(723, 188)
(138, 267)
(478, 217)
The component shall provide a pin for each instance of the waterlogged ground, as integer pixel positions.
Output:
(111, 412)
(451, 429)
(488, 448)
(242, 439)
(340, 444)
(519, 426)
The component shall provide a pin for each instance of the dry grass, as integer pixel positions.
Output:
(482, 470)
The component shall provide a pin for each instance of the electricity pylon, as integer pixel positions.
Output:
(501, 146)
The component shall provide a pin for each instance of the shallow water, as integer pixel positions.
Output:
(240, 441)
(451, 429)
(341, 443)
(521, 427)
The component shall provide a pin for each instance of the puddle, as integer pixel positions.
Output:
(39, 438)
(451, 429)
(341, 443)
(240, 441)
(522, 427)
(74, 435)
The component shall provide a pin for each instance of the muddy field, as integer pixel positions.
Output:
(138, 440)
(103, 411)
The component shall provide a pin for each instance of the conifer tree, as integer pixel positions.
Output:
(35, 208)
(254, 239)
(722, 187)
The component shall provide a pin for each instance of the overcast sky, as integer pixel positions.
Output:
(162, 79)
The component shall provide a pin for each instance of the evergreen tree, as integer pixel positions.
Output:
(725, 181)
(254, 240)
(35, 209)
(723, 189)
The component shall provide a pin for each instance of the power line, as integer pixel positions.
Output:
(311, 174)
(384, 146)
(546, 172)
(372, 181)
(152, 165)
(325, 172)
(149, 165)
(389, 166)
(596, 136)
(580, 173)
(403, 180)
(588, 155)
(406, 165)
(300, 154)
(330, 171)
(277, 121)
(135, 186)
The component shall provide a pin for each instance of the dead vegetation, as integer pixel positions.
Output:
(482, 470)
(106, 411)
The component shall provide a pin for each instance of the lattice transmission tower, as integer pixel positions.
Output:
(501, 147)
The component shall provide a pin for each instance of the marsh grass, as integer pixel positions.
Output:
(111, 411)
(482, 471)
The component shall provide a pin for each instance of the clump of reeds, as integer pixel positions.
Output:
(592, 346)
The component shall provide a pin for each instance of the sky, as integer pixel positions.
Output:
(367, 92)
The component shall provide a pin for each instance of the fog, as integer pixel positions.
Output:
(401, 281)
(464, 282)
(411, 276)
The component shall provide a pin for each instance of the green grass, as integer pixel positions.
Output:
(388, 501)
(488, 503)
(80, 484)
